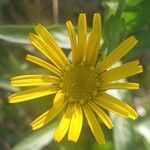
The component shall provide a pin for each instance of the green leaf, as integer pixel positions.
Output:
(137, 15)
(142, 46)
(133, 2)
(37, 139)
(123, 128)
(143, 129)
(19, 34)
(114, 31)
(108, 146)
(143, 38)
(110, 7)
(123, 134)
(123, 131)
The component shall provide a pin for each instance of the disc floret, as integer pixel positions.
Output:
(79, 83)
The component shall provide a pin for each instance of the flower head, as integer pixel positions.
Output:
(79, 85)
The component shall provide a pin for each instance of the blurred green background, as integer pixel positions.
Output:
(121, 18)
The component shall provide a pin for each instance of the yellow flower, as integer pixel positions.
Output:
(80, 84)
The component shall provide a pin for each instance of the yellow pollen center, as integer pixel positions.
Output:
(79, 83)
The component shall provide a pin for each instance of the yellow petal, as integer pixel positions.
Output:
(115, 105)
(73, 40)
(47, 116)
(101, 114)
(117, 53)
(43, 64)
(63, 125)
(33, 80)
(59, 95)
(32, 94)
(49, 40)
(133, 114)
(123, 71)
(94, 125)
(93, 42)
(82, 32)
(46, 50)
(129, 86)
(76, 124)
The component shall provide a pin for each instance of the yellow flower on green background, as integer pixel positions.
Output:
(79, 85)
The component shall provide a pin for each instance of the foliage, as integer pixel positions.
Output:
(121, 19)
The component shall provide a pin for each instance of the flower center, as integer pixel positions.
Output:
(79, 83)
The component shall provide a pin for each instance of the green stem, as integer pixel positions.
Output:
(120, 8)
